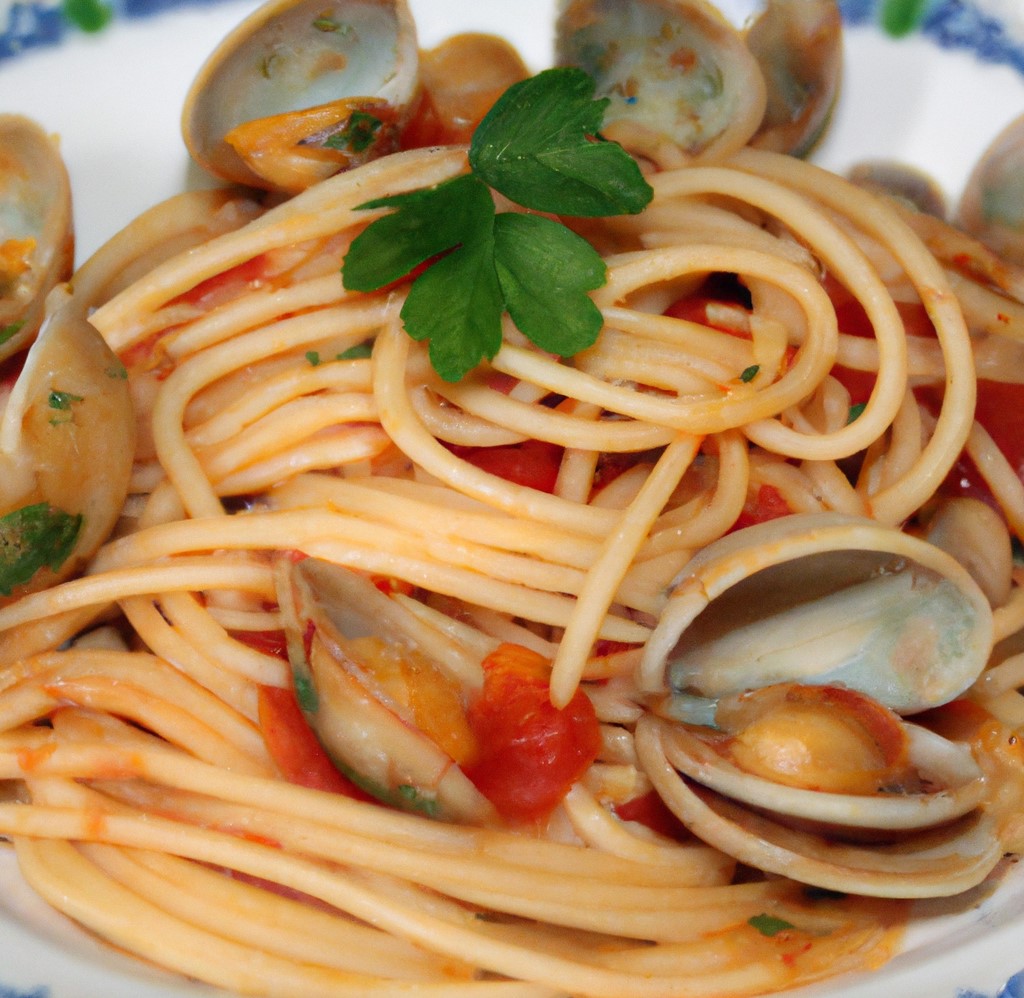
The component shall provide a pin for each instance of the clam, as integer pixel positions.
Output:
(36, 235)
(303, 89)
(782, 669)
(678, 76)
(821, 598)
(66, 450)
(992, 205)
(382, 696)
(906, 184)
(799, 47)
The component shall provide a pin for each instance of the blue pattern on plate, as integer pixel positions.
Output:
(951, 24)
(6, 992)
(36, 23)
(954, 24)
(1014, 988)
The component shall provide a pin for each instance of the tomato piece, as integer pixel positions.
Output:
(853, 321)
(268, 642)
(768, 505)
(650, 810)
(462, 77)
(1000, 410)
(227, 284)
(530, 752)
(294, 747)
(533, 463)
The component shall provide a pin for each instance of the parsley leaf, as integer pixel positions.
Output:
(424, 224)
(34, 537)
(540, 146)
(530, 256)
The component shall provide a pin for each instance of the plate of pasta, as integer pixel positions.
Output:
(544, 523)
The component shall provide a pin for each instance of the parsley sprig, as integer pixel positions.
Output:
(540, 146)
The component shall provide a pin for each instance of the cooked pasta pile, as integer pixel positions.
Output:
(144, 802)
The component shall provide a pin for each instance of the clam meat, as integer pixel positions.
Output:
(783, 671)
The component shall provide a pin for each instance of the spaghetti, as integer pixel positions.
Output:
(149, 805)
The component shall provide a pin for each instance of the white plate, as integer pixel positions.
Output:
(933, 97)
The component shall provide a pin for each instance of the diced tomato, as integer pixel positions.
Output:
(267, 642)
(650, 810)
(294, 747)
(1000, 410)
(853, 321)
(768, 505)
(461, 79)
(230, 282)
(389, 585)
(533, 463)
(531, 752)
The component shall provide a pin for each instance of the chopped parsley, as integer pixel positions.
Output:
(540, 146)
(358, 134)
(35, 537)
(11, 329)
(359, 352)
(769, 925)
(855, 411)
(750, 373)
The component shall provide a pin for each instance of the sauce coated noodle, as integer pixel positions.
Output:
(776, 342)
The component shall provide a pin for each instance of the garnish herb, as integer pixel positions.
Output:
(62, 402)
(358, 134)
(359, 352)
(539, 146)
(769, 925)
(327, 23)
(6, 332)
(34, 537)
(750, 373)
(313, 357)
(855, 411)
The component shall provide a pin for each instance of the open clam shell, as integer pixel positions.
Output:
(347, 641)
(992, 205)
(677, 75)
(935, 861)
(799, 47)
(821, 598)
(955, 781)
(67, 443)
(303, 89)
(36, 233)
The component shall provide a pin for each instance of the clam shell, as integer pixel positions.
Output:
(675, 73)
(295, 73)
(36, 233)
(822, 598)
(932, 862)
